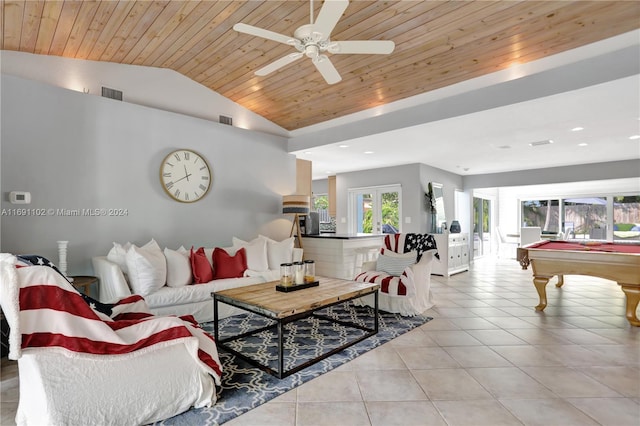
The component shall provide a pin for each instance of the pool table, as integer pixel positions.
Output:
(616, 262)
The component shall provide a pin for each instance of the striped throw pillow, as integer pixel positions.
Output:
(396, 264)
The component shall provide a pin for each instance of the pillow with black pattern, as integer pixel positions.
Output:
(35, 260)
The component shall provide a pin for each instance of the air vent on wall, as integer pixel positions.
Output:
(112, 93)
(223, 119)
(545, 142)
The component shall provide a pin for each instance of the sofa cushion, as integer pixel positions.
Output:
(256, 253)
(200, 266)
(171, 296)
(118, 255)
(228, 266)
(178, 267)
(278, 252)
(147, 268)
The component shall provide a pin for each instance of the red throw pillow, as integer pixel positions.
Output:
(202, 272)
(227, 266)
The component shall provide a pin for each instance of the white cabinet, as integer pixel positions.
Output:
(453, 250)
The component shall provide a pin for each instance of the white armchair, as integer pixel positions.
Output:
(408, 290)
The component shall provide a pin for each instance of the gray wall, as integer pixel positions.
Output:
(413, 178)
(76, 151)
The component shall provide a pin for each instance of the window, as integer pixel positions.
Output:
(321, 206)
(587, 217)
(542, 213)
(626, 218)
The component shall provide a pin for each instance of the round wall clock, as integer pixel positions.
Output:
(185, 175)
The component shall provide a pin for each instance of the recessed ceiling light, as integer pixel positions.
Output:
(544, 142)
(583, 144)
(328, 172)
(634, 137)
(368, 152)
(308, 152)
(343, 146)
(577, 129)
(504, 147)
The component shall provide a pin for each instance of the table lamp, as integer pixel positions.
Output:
(297, 205)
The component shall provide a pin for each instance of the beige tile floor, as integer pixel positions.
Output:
(487, 358)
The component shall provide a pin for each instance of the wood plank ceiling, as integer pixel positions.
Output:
(438, 43)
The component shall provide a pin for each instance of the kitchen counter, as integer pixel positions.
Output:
(333, 235)
(340, 255)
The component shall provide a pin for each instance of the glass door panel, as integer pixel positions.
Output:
(389, 211)
(481, 227)
(588, 217)
(375, 210)
(364, 213)
(626, 218)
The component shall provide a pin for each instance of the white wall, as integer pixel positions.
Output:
(76, 151)
(159, 88)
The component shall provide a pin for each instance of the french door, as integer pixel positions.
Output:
(375, 210)
(482, 213)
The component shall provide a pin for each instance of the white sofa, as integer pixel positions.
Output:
(195, 299)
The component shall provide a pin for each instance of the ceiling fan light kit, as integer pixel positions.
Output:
(312, 40)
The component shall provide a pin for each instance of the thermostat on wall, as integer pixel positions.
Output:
(20, 197)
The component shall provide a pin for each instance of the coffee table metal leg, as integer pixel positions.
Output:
(215, 320)
(375, 313)
(280, 350)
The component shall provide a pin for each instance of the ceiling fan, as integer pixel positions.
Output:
(312, 40)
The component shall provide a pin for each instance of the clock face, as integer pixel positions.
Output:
(185, 176)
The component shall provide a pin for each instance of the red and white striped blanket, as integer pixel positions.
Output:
(46, 312)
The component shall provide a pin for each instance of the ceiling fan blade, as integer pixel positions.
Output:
(276, 65)
(326, 68)
(375, 47)
(259, 32)
(329, 16)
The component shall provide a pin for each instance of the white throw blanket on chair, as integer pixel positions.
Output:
(123, 357)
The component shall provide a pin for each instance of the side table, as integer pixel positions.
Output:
(84, 282)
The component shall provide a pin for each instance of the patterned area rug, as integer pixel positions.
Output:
(245, 387)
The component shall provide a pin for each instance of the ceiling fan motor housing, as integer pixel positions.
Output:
(311, 42)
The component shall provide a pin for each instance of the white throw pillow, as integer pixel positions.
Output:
(278, 252)
(118, 254)
(178, 267)
(147, 268)
(256, 251)
(394, 263)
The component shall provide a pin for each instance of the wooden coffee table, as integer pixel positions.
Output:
(284, 308)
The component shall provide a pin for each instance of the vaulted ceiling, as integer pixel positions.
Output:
(438, 43)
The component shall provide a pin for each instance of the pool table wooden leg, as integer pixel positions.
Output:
(540, 283)
(560, 281)
(633, 297)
